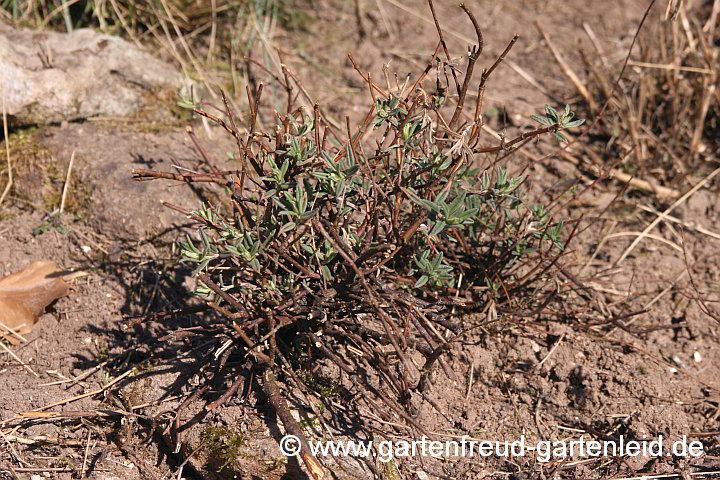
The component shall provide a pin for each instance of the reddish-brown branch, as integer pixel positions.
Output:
(444, 45)
(472, 58)
(217, 177)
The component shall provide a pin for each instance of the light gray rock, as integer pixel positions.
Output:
(51, 77)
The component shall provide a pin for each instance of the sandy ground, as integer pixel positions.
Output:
(542, 379)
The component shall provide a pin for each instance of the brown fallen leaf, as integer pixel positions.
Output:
(25, 294)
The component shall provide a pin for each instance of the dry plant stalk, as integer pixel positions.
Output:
(667, 112)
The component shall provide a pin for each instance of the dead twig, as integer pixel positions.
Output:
(7, 148)
(88, 394)
(580, 86)
(218, 177)
(67, 182)
(654, 223)
(17, 359)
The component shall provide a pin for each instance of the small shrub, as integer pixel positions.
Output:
(364, 252)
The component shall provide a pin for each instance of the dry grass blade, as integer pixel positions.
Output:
(188, 51)
(679, 68)
(85, 395)
(63, 7)
(654, 223)
(7, 148)
(17, 359)
(658, 238)
(87, 454)
(659, 190)
(708, 95)
(67, 182)
(668, 108)
(13, 332)
(669, 476)
(688, 225)
(580, 86)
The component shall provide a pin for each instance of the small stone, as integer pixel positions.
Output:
(76, 75)
(697, 357)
